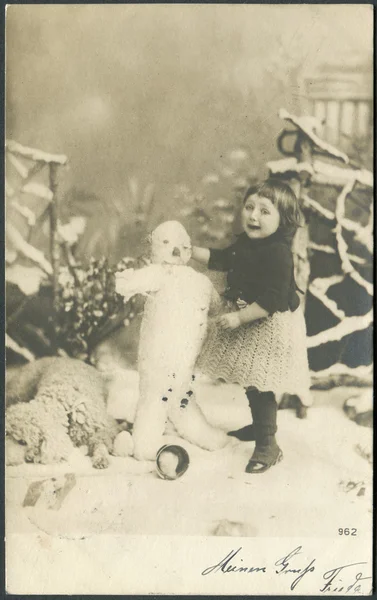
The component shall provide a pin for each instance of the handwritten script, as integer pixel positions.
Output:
(345, 579)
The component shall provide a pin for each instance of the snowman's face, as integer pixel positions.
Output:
(170, 244)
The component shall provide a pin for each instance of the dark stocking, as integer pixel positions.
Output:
(245, 434)
(263, 408)
(264, 412)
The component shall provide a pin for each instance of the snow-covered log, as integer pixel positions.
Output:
(26, 249)
(339, 374)
(345, 327)
(33, 154)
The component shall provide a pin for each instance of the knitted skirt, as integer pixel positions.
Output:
(269, 354)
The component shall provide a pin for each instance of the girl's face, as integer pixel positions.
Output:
(259, 217)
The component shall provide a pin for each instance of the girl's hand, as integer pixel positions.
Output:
(200, 254)
(229, 321)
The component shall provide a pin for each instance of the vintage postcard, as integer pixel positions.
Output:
(189, 293)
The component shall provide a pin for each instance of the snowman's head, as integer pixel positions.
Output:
(170, 244)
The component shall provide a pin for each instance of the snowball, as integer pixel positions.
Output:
(168, 463)
(123, 444)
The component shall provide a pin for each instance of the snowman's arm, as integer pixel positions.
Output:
(130, 282)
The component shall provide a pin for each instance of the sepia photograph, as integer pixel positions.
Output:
(189, 299)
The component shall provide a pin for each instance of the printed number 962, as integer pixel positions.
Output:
(347, 531)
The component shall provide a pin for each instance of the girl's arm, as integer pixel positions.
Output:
(200, 254)
(250, 313)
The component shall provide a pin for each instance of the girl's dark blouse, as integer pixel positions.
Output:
(259, 271)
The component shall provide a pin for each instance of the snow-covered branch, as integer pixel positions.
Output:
(347, 267)
(345, 327)
(330, 174)
(321, 248)
(26, 249)
(70, 232)
(33, 154)
(291, 164)
(28, 279)
(331, 250)
(25, 212)
(12, 345)
(321, 172)
(319, 287)
(20, 168)
(37, 189)
(362, 234)
(338, 176)
(305, 126)
(316, 207)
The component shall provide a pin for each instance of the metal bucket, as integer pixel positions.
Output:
(172, 461)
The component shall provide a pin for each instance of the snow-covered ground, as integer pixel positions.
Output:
(322, 484)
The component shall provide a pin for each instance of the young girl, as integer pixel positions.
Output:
(260, 341)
